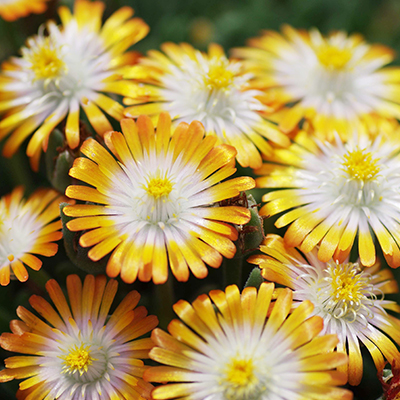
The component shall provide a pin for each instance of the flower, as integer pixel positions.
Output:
(390, 380)
(10, 10)
(231, 346)
(64, 70)
(335, 82)
(348, 297)
(27, 227)
(209, 88)
(336, 191)
(80, 353)
(156, 206)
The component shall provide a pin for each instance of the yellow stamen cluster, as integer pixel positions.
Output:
(219, 76)
(240, 372)
(348, 288)
(240, 381)
(78, 359)
(45, 61)
(333, 57)
(360, 165)
(159, 187)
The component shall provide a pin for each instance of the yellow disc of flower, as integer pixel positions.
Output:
(156, 202)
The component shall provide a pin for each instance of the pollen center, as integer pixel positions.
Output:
(45, 61)
(218, 76)
(240, 381)
(360, 165)
(333, 57)
(159, 187)
(78, 359)
(348, 288)
(240, 373)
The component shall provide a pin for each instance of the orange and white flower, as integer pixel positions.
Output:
(77, 351)
(27, 227)
(336, 191)
(232, 346)
(336, 82)
(156, 206)
(64, 70)
(207, 87)
(11, 10)
(348, 297)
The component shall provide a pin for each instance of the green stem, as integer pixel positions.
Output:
(18, 172)
(164, 300)
(232, 272)
(39, 278)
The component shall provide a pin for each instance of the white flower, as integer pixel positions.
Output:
(233, 348)
(191, 85)
(349, 298)
(336, 82)
(80, 352)
(64, 69)
(337, 191)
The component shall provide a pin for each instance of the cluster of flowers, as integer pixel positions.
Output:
(315, 117)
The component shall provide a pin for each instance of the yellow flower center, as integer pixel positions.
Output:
(348, 288)
(240, 373)
(346, 285)
(159, 187)
(46, 62)
(78, 359)
(333, 57)
(240, 381)
(218, 76)
(360, 165)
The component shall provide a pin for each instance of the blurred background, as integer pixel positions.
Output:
(229, 23)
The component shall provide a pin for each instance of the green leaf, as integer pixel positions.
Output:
(76, 253)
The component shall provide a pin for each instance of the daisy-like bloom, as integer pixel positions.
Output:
(207, 87)
(77, 351)
(156, 204)
(68, 68)
(336, 82)
(231, 346)
(348, 297)
(336, 191)
(10, 10)
(27, 227)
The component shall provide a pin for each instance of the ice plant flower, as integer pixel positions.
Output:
(336, 82)
(231, 346)
(68, 68)
(76, 351)
(207, 87)
(11, 10)
(348, 297)
(156, 205)
(334, 192)
(27, 227)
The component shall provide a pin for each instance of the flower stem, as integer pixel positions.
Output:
(232, 271)
(39, 278)
(164, 298)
